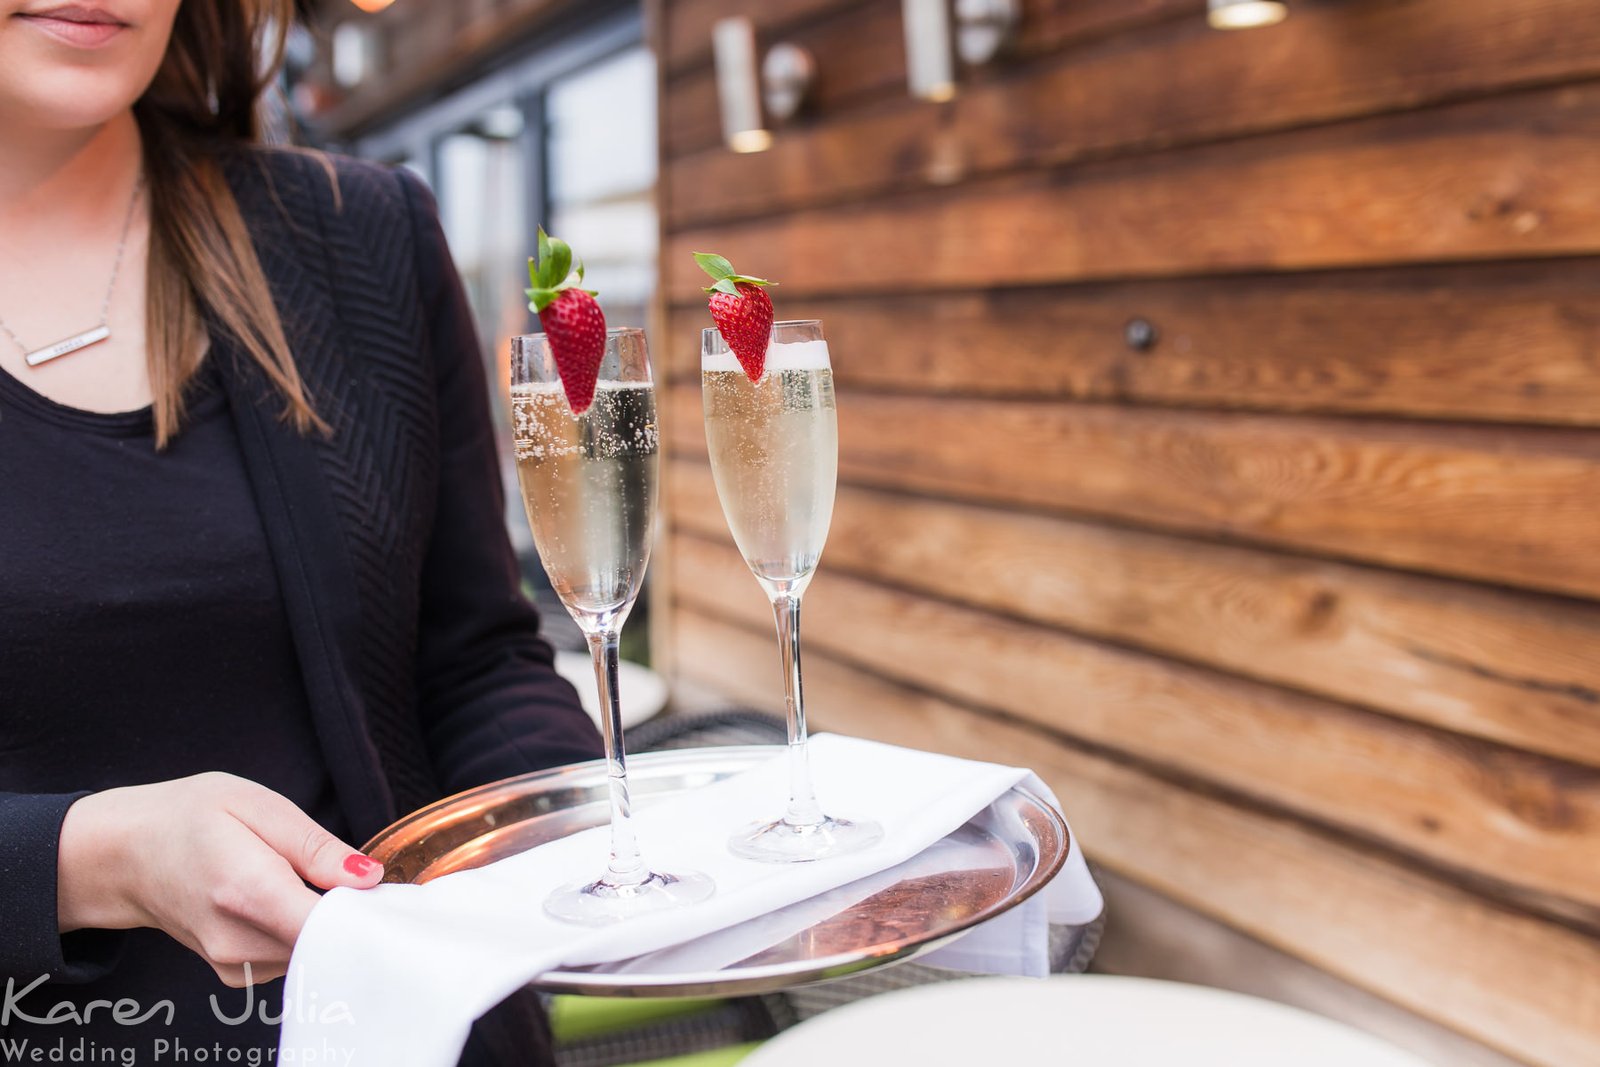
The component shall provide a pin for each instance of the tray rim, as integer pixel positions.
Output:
(767, 978)
(646, 760)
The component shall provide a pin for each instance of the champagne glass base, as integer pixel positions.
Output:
(601, 903)
(785, 842)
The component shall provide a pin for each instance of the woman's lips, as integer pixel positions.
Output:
(80, 32)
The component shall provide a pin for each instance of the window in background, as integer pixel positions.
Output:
(601, 153)
(482, 181)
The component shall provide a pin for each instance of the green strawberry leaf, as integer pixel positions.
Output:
(543, 279)
(726, 285)
(539, 299)
(714, 265)
(554, 267)
(560, 261)
(552, 273)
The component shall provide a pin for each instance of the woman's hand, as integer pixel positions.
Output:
(218, 862)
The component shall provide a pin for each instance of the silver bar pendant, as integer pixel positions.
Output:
(68, 346)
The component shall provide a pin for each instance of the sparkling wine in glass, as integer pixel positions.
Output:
(774, 448)
(589, 486)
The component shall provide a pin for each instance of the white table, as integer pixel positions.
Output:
(1081, 1020)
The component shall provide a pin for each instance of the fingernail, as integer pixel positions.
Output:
(360, 865)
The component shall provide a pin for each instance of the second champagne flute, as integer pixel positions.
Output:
(774, 449)
(589, 486)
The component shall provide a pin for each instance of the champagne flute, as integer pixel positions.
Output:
(589, 486)
(774, 448)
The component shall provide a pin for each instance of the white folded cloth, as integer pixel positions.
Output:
(395, 975)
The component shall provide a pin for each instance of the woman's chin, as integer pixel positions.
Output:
(66, 101)
(43, 90)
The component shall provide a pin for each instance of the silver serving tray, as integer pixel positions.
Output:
(998, 859)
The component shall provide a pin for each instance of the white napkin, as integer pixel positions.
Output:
(395, 975)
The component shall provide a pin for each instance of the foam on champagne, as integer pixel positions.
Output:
(794, 355)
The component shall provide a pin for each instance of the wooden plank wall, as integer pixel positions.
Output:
(1296, 608)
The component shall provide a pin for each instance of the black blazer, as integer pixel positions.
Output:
(423, 663)
(422, 660)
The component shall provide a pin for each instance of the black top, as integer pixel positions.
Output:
(144, 640)
(420, 661)
(144, 635)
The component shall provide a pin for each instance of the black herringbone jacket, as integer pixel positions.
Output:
(422, 662)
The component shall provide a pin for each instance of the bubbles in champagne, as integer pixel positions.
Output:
(774, 449)
(589, 485)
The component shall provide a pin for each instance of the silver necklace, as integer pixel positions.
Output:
(94, 335)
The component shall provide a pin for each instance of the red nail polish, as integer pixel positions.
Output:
(359, 865)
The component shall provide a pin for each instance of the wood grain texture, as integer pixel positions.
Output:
(1148, 935)
(1512, 506)
(1046, 24)
(691, 121)
(1520, 670)
(1177, 83)
(1515, 982)
(860, 51)
(686, 38)
(1518, 343)
(1527, 828)
(862, 59)
(1504, 177)
(1294, 607)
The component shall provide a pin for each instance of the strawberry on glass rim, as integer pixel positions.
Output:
(742, 311)
(573, 323)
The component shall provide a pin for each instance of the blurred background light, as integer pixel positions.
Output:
(733, 46)
(985, 28)
(930, 54)
(1244, 14)
(354, 53)
(372, 5)
(750, 140)
(787, 73)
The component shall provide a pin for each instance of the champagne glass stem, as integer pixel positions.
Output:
(626, 868)
(803, 808)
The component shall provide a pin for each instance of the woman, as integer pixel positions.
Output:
(256, 599)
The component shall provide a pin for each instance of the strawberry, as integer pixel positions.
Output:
(742, 311)
(573, 323)
(576, 328)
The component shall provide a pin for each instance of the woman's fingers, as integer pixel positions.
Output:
(234, 944)
(225, 872)
(230, 946)
(259, 888)
(237, 977)
(316, 855)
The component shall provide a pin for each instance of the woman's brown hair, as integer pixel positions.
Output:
(222, 57)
